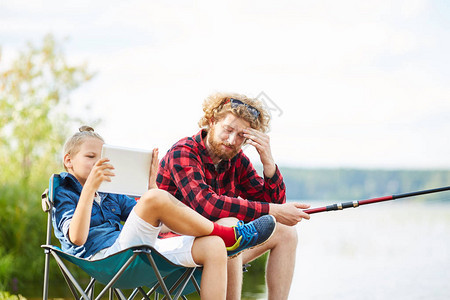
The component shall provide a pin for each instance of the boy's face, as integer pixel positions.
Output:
(226, 137)
(81, 164)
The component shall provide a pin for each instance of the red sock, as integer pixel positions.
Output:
(226, 233)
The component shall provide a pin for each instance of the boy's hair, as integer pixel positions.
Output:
(217, 105)
(73, 144)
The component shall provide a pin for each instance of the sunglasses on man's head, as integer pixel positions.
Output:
(235, 103)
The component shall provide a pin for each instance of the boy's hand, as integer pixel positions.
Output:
(153, 170)
(102, 171)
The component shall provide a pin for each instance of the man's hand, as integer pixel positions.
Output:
(289, 213)
(261, 142)
(153, 170)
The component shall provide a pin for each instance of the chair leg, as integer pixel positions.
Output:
(73, 284)
(119, 294)
(158, 275)
(197, 287)
(134, 293)
(145, 295)
(183, 281)
(90, 288)
(46, 272)
(152, 290)
(114, 279)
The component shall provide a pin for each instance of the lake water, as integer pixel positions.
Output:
(391, 250)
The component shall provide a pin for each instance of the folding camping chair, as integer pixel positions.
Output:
(141, 269)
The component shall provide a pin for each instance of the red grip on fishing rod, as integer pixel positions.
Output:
(373, 200)
(315, 210)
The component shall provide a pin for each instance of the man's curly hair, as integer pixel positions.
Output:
(216, 107)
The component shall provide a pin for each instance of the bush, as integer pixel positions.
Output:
(8, 296)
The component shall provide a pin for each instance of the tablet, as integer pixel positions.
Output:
(131, 169)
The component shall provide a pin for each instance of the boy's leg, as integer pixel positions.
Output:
(157, 206)
(210, 252)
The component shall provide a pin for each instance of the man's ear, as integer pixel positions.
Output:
(67, 161)
(212, 121)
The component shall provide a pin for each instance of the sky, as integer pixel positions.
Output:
(349, 84)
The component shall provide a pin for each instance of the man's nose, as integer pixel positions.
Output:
(232, 139)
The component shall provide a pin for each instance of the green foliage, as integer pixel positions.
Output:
(34, 122)
(8, 296)
(254, 285)
(6, 263)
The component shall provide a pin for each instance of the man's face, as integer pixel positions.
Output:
(226, 137)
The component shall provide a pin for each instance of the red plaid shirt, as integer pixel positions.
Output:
(188, 173)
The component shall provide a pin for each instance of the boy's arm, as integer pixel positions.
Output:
(81, 220)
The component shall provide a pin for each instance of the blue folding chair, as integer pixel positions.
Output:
(141, 269)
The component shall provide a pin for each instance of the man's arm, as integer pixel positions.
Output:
(286, 213)
(253, 187)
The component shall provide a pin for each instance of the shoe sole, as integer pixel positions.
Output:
(249, 248)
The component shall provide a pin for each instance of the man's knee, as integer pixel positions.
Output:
(229, 221)
(286, 235)
(291, 232)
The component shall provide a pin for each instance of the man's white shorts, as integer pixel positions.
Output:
(136, 232)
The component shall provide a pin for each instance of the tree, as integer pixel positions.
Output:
(34, 100)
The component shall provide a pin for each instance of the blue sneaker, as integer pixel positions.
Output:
(252, 234)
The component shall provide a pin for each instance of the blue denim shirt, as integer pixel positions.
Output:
(105, 218)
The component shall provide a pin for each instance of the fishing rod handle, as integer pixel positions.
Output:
(338, 206)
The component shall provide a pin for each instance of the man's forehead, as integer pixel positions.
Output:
(235, 122)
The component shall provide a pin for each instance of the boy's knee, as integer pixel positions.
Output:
(216, 247)
(153, 198)
(210, 249)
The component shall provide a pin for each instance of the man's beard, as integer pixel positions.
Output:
(217, 149)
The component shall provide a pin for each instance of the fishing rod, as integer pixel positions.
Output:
(341, 206)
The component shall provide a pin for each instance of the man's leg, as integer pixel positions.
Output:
(281, 262)
(234, 273)
(234, 267)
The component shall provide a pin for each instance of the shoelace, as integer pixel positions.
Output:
(248, 232)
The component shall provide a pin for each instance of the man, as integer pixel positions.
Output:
(210, 173)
